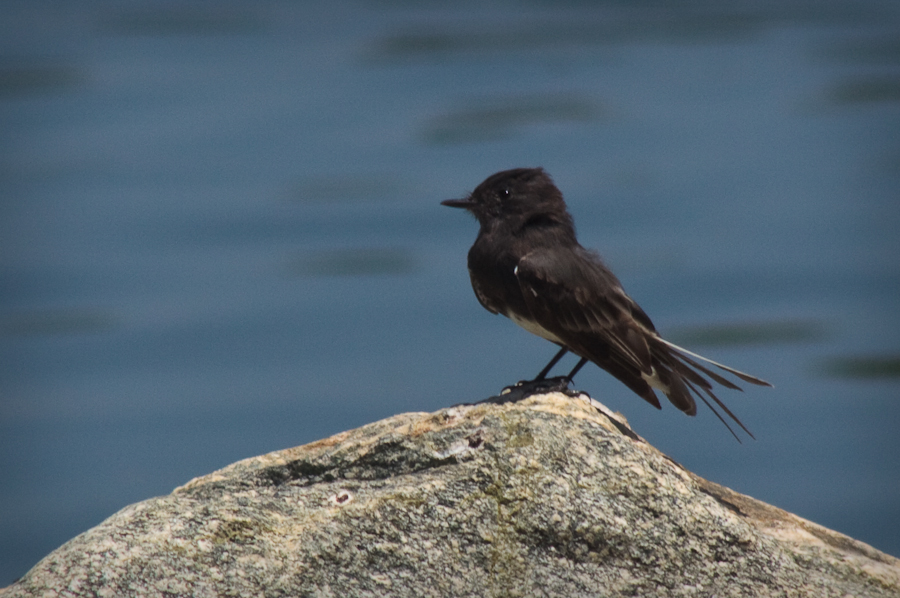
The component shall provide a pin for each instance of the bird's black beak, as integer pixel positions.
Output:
(458, 203)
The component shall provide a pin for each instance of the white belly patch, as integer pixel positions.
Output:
(534, 328)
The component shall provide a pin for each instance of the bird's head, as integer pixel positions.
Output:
(516, 198)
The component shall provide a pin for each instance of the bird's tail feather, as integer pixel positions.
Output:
(743, 376)
(720, 379)
(719, 415)
(687, 372)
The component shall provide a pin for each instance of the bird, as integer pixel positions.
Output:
(527, 264)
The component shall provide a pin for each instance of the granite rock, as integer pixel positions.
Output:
(547, 496)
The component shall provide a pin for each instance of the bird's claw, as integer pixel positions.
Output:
(526, 388)
(532, 387)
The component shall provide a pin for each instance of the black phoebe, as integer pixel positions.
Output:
(527, 265)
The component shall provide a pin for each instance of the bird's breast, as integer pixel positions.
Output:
(486, 299)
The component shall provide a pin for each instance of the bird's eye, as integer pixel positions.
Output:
(504, 193)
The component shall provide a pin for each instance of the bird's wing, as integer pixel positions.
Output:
(570, 293)
(573, 295)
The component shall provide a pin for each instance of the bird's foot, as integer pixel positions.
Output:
(526, 388)
(544, 385)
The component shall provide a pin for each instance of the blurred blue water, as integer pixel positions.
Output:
(220, 232)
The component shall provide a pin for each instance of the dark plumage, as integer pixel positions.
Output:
(528, 265)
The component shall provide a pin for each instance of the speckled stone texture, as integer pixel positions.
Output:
(542, 497)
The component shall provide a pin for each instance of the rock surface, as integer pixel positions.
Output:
(541, 497)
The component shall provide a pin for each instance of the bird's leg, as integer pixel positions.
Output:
(574, 371)
(552, 363)
(543, 384)
(558, 383)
